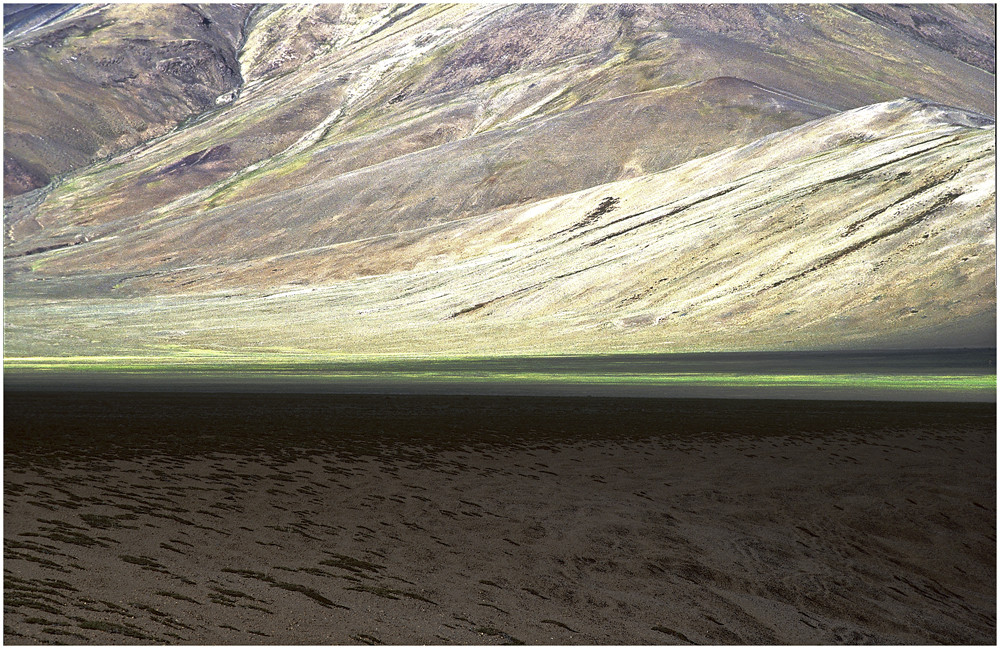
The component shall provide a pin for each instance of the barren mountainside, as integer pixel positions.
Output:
(497, 178)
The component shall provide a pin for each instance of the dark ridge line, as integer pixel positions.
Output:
(476, 307)
(396, 18)
(939, 204)
(804, 191)
(609, 204)
(666, 214)
(653, 209)
(813, 188)
(857, 225)
(41, 249)
(610, 223)
(800, 192)
(860, 173)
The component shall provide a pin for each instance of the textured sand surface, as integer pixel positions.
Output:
(320, 519)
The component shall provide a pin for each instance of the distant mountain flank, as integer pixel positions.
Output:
(86, 81)
(82, 82)
(966, 30)
(498, 178)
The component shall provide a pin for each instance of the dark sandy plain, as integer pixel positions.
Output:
(198, 518)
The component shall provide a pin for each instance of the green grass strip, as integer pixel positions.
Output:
(283, 369)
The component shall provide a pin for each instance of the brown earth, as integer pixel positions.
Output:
(474, 520)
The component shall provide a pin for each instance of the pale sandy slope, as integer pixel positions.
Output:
(872, 227)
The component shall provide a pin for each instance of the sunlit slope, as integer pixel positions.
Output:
(875, 227)
(543, 157)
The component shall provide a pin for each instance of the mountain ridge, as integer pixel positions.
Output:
(459, 156)
(644, 36)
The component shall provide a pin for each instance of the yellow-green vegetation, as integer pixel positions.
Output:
(276, 370)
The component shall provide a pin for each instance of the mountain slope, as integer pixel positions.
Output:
(92, 80)
(351, 199)
(319, 75)
(474, 158)
(751, 248)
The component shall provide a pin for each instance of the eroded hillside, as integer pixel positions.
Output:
(88, 81)
(500, 179)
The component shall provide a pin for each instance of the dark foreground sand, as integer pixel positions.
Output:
(216, 519)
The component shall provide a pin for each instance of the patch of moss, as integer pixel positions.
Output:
(390, 593)
(108, 522)
(350, 563)
(131, 631)
(177, 596)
